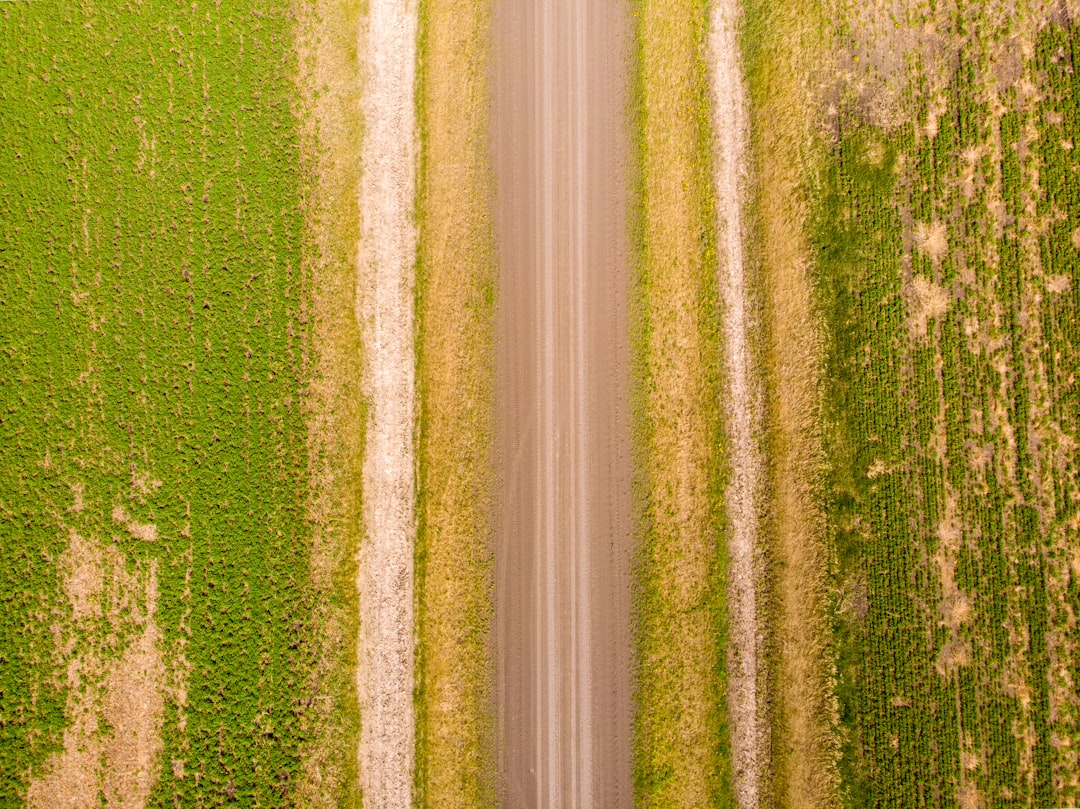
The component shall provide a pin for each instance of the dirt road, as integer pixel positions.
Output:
(563, 554)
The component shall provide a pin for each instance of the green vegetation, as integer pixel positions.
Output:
(182, 430)
(946, 264)
(680, 735)
(155, 355)
(931, 149)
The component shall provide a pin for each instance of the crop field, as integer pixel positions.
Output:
(268, 369)
(159, 628)
(944, 234)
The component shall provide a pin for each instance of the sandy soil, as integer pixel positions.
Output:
(387, 254)
(564, 533)
(743, 406)
(115, 705)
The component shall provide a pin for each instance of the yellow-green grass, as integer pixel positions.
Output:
(455, 762)
(680, 735)
(783, 45)
(329, 89)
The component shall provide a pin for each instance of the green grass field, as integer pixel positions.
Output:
(155, 356)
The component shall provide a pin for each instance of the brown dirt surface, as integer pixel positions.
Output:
(564, 534)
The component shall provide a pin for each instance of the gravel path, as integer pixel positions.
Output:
(387, 254)
(563, 553)
(743, 408)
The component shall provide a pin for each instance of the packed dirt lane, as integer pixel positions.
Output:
(563, 554)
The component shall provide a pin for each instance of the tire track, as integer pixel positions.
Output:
(743, 407)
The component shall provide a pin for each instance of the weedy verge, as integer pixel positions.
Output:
(330, 89)
(800, 676)
(455, 756)
(680, 726)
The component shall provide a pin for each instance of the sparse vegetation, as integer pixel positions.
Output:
(330, 89)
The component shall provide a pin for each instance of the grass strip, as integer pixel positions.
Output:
(329, 86)
(455, 763)
(784, 153)
(680, 731)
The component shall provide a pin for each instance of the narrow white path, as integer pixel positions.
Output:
(743, 405)
(387, 254)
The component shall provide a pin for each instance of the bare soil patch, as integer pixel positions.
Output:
(743, 407)
(115, 705)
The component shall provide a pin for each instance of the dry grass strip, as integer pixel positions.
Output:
(329, 97)
(804, 710)
(455, 287)
(680, 737)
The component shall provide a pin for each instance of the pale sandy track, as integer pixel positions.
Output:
(742, 405)
(563, 553)
(387, 254)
